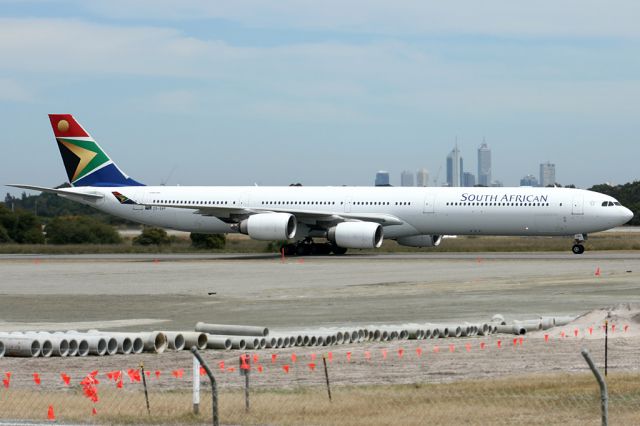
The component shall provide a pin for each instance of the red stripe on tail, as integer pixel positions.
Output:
(64, 125)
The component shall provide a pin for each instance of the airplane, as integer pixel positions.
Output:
(346, 217)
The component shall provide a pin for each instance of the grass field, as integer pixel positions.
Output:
(567, 399)
(242, 244)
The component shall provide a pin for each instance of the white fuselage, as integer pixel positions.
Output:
(432, 211)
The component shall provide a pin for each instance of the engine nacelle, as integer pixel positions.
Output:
(269, 226)
(420, 241)
(361, 235)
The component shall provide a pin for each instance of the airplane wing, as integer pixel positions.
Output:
(64, 192)
(309, 217)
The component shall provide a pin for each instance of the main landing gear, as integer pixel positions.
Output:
(307, 247)
(578, 247)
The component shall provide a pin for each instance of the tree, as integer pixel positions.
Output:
(152, 236)
(80, 230)
(208, 241)
(21, 227)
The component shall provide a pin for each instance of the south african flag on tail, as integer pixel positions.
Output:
(85, 162)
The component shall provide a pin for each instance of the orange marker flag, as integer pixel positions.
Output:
(598, 271)
(575, 332)
(482, 345)
(94, 411)
(613, 328)
(499, 344)
(546, 338)
(285, 368)
(273, 358)
(436, 348)
(349, 356)
(157, 372)
(626, 327)
(50, 414)
(384, 354)
(231, 369)
(521, 340)
(66, 379)
(313, 357)
(120, 384)
(221, 366)
(452, 348)
(562, 334)
(36, 378)
(400, 353)
(367, 355)
(294, 358)
(260, 368)
(419, 351)
(330, 356)
(203, 372)
(312, 366)
(590, 331)
(255, 358)
(515, 341)
(468, 347)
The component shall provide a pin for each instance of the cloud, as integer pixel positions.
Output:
(502, 18)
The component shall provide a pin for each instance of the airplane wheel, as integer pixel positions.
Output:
(337, 250)
(577, 249)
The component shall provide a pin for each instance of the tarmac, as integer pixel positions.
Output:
(144, 292)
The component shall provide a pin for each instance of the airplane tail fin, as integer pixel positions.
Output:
(85, 162)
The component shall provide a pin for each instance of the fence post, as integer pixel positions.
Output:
(214, 386)
(604, 394)
(196, 386)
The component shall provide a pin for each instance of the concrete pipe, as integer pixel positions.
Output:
(263, 343)
(2, 349)
(354, 336)
(443, 332)
(237, 342)
(484, 329)
(346, 338)
(312, 341)
(175, 340)
(73, 346)
(235, 330)
(530, 325)
(60, 345)
(124, 344)
(119, 342)
(112, 345)
(253, 343)
(339, 335)
(562, 321)
(20, 346)
(498, 319)
(414, 333)
(220, 342)
(384, 336)
(403, 334)
(455, 331)
(96, 342)
(271, 342)
(155, 341)
(321, 340)
(194, 338)
(305, 340)
(547, 322)
(512, 329)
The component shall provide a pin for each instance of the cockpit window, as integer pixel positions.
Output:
(617, 203)
(604, 204)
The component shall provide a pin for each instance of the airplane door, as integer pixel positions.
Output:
(429, 202)
(578, 204)
(347, 205)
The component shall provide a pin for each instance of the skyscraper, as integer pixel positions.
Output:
(406, 178)
(547, 174)
(454, 167)
(422, 177)
(484, 165)
(529, 180)
(382, 178)
(468, 179)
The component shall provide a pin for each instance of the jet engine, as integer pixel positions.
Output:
(420, 241)
(269, 226)
(356, 235)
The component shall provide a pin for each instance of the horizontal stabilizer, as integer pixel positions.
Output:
(61, 191)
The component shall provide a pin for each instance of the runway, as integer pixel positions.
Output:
(175, 291)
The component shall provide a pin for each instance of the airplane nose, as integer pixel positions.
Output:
(627, 214)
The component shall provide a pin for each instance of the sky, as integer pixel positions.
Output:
(246, 92)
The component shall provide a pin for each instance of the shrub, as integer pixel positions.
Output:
(152, 236)
(4, 236)
(208, 241)
(80, 230)
(21, 227)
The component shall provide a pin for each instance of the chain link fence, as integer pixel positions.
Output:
(479, 381)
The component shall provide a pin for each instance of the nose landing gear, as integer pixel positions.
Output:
(578, 247)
